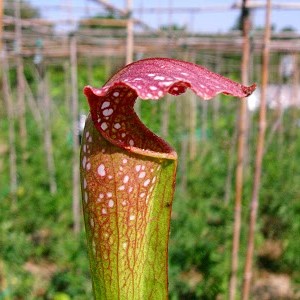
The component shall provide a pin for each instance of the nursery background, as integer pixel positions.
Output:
(236, 213)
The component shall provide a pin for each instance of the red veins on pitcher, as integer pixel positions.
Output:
(128, 176)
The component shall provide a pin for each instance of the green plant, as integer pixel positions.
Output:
(128, 176)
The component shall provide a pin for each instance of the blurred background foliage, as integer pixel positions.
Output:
(41, 257)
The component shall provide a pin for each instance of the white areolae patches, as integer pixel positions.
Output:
(159, 78)
(100, 197)
(121, 188)
(146, 183)
(105, 104)
(101, 170)
(138, 168)
(109, 194)
(153, 88)
(126, 179)
(104, 126)
(84, 162)
(142, 174)
(117, 126)
(116, 94)
(131, 217)
(107, 112)
(111, 203)
(124, 161)
(166, 83)
(104, 211)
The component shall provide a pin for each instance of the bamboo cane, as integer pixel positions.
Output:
(258, 160)
(74, 108)
(11, 123)
(241, 156)
(20, 78)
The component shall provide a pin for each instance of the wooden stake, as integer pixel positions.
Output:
(295, 92)
(182, 126)
(192, 126)
(66, 66)
(216, 100)
(129, 39)
(1, 46)
(1, 24)
(48, 137)
(204, 119)
(183, 166)
(74, 108)
(259, 158)
(11, 123)
(230, 167)
(20, 78)
(241, 156)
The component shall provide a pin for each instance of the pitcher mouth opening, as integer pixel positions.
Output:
(112, 106)
(113, 115)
